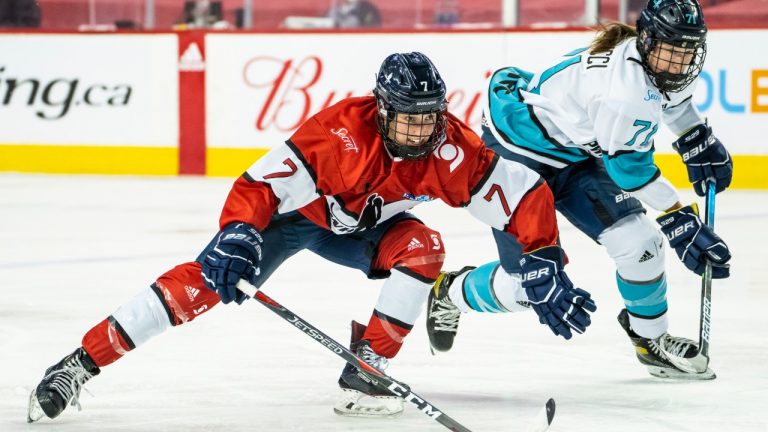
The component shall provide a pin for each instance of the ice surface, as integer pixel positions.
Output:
(73, 248)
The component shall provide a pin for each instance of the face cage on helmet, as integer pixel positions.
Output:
(387, 123)
(668, 82)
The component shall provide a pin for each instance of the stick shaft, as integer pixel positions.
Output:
(395, 387)
(706, 281)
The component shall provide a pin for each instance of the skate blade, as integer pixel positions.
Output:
(352, 403)
(543, 418)
(669, 373)
(34, 411)
(437, 350)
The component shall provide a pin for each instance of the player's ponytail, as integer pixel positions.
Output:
(610, 35)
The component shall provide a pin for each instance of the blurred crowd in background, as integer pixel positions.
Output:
(100, 15)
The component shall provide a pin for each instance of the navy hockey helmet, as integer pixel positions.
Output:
(410, 95)
(672, 40)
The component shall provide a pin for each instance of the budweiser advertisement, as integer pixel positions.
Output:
(262, 87)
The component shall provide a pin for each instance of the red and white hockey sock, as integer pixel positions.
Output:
(400, 303)
(177, 297)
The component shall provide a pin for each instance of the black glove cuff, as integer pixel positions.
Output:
(547, 253)
(669, 219)
(692, 138)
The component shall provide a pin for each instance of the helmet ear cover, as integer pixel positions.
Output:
(410, 84)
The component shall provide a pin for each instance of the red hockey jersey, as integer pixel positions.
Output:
(336, 172)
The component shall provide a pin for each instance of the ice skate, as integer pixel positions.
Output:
(668, 356)
(61, 386)
(359, 397)
(442, 314)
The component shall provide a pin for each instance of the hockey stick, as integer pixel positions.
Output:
(541, 423)
(706, 283)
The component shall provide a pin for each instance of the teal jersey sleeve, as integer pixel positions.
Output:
(631, 170)
(515, 123)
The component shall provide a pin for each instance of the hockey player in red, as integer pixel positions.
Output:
(341, 187)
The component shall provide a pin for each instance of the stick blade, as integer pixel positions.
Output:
(544, 417)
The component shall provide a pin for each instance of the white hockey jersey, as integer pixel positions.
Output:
(591, 105)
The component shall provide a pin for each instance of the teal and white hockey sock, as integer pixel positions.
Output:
(647, 305)
(488, 288)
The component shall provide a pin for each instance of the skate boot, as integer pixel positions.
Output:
(359, 397)
(61, 386)
(442, 314)
(668, 356)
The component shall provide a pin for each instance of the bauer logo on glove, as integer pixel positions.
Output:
(699, 149)
(680, 230)
(705, 158)
(533, 275)
(694, 242)
(561, 306)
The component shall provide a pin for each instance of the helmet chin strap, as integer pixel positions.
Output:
(392, 155)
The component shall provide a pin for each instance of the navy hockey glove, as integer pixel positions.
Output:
(694, 242)
(706, 158)
(236, 256)
(552, 295)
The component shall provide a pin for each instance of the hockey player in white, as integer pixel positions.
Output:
(587, 124)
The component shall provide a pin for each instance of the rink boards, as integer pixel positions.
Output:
(211, 103)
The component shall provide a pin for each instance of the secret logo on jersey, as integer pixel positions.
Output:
(451, 153)
(652, 96)
(346, 139)
(342, 222)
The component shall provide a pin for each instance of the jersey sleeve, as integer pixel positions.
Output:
(681, 115)
(287, 178)
(659, 194)
(631, 170)
(510, 197)
(249, 201)
(625, 132)
(534, 223)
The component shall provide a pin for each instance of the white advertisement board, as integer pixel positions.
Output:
(261, 87)
(725, 91)
(105, 90)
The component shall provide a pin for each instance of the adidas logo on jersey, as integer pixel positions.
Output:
(191, 292)
(414, 244)
(646, 256)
